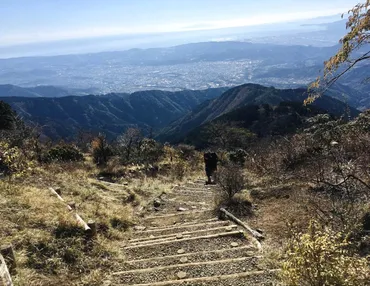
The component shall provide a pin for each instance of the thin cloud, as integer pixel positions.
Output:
(91, 32)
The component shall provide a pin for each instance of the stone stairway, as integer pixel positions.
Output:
(186, 244)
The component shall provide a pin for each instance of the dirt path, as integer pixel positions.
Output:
(184, 243)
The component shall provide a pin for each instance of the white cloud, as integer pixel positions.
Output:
(90, 32)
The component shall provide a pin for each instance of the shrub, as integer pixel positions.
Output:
(120, 223)
(7, 116)
(150, 151)
(238, 157)
(321, 257)
(63, 153)
(178, 170)
(231, 180)
(101, 151)
(12, 162)
(186, 152)
(128, 144)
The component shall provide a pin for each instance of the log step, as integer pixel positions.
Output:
(179, 217)
(173, 231)
(182, 192)
(221, 254)
(185, 213)
(179, 226)
(260, 278)
(181, 235)
(186, 245)
(192, 270)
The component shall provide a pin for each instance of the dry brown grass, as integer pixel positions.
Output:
(50, 247)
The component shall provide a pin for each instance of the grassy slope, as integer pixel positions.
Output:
(50, 247)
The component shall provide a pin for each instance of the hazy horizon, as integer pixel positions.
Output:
(28, 25)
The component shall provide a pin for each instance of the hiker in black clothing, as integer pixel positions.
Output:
(210, 161)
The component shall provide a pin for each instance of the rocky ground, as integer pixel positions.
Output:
(181, 241)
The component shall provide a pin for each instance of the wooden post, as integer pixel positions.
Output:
(58, 194)
(9, 257)
(82, 222)
(256, 236)
(71, 206)
(92, 231)
(5, 279)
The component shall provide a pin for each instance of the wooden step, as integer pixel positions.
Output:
(187, 245)
(260, 278)
(193, 270)
(173, 205)
(185, 234)
(183, 192)
(173, 231)
(185, 213)
(194, 203)
(191, 198)
(178, 225)
(220, 254)
(194, 189)
(179, 217)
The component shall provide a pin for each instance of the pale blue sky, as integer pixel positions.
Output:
(32, 21)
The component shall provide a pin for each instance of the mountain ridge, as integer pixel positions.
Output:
(247, 94)
(62, 117)
(10, 90)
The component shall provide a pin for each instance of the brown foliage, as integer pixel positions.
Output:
(358, 36)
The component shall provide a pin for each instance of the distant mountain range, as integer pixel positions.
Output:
(316, 32)
(243, 96)
(9, 90)
(171, 115)
(192, 66)
(63, 117)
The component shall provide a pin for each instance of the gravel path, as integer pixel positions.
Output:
(190, 247)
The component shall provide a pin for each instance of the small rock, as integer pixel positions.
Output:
(152, 236)
(229, 228)
(180, 209)
(181, 251)
(181, 274)
(139, 227)
(157, 203)
(259, 230)
(183, 260)
(234, 244)
(333, 143)
(163, 194)
(179, 236)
